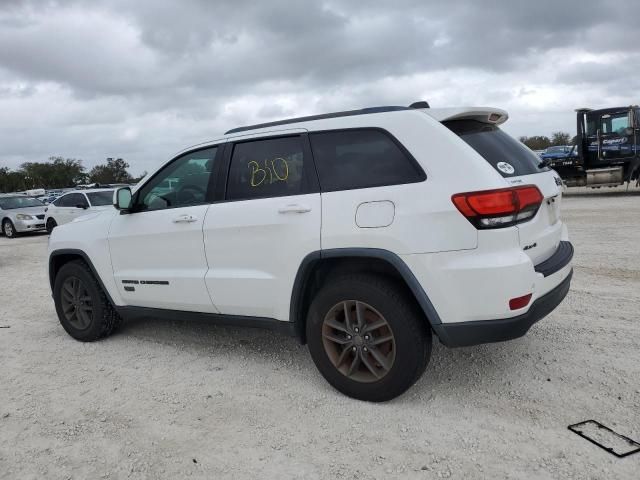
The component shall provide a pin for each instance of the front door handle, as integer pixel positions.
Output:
(294, 208)
(185, 219)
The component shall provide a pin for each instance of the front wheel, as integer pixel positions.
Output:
(367, 337)
(82, 306)
(8, 229)
(51, 224)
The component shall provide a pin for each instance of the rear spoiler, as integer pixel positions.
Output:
(495, 116)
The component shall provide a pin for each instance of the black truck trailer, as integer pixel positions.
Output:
(607, 149)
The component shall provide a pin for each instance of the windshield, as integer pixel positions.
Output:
(506, 154)
(99, 199)
(556, 149)
(10, 203)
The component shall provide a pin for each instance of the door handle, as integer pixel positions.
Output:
(294, 208)
(185, 219)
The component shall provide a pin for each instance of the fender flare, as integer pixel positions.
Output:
(76, 253)
(307, 266)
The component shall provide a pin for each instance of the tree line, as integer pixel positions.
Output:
(59, 172)
(542, 142)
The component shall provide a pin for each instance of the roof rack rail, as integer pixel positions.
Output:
(347, 113)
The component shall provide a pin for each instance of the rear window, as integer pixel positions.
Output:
(361, 158)
(507, 155)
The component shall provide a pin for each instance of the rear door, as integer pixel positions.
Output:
(267, 222)
(540, 236)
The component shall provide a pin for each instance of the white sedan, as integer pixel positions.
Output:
(75, 204)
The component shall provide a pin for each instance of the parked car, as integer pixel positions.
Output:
(74, 204)
(363, 233)
(20, 213)
(560, 152)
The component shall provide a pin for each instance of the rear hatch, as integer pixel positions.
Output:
(540, 236)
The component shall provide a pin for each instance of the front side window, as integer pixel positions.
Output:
(182, 183)
(615, 123)
(76, 200)
(100, 199)
(273, 167)
(361, 158)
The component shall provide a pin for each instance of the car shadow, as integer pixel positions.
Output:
(451, 371)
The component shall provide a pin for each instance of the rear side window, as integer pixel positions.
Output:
(507, 155)
(273, 167)
(361, 158)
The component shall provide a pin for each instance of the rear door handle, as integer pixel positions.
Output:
(294, 208)
(185, 219)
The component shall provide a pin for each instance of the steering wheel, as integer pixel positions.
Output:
(189, 193)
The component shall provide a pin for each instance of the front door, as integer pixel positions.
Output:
(610, 137)
(157, 251)
(269, 220)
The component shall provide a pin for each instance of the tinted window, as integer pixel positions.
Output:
(69, 200)
(182, 183)
(268, 168)
(497, 147)
(364, 158)
(75, 199)
(98, 199)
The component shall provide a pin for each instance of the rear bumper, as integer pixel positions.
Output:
(464, 334)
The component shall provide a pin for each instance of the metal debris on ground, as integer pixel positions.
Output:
(605, 438)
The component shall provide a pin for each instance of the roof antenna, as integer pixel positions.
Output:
(420, 104)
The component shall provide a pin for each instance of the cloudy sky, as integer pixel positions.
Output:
(142, 79)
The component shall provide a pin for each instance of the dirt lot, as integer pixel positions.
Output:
(167, 399)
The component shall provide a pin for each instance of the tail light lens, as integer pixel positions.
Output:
(499, 208)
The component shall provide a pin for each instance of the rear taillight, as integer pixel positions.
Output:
(499, 208)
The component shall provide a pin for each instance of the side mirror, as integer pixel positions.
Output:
(122, 199)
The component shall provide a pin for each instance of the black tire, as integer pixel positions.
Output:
(8, 229)
(51, 224)
(103, 319)
(406, 323)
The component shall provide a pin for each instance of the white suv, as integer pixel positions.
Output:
(74, 204)
(363, 233)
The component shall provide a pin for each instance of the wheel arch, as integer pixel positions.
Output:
(317, 266)
(58, 258)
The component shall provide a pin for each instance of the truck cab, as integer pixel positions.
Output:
(608, 153)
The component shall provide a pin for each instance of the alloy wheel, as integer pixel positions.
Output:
(77, 305)
(358, 341)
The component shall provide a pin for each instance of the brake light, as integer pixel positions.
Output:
(499, 208)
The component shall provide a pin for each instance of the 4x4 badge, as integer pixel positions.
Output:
(505, 167)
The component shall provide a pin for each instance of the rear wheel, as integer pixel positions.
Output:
(82, 306)
(51, 224)
(367, 337)
(8, 229)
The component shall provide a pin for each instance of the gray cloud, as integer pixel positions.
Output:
(143, 79)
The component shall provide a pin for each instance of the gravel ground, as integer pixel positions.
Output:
(171, 399)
